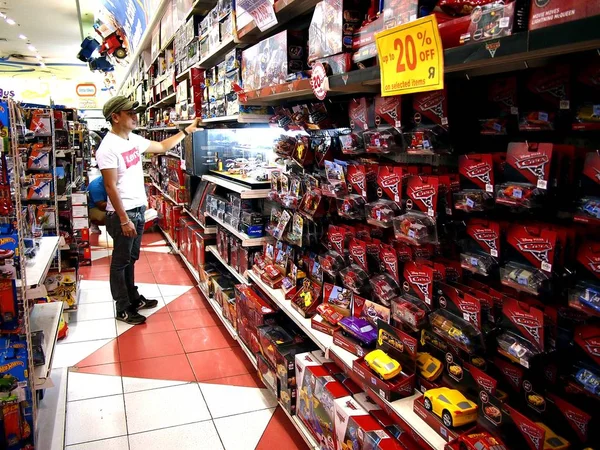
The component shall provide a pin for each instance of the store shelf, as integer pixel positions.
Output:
(175, 128)
(324, 341)
(168, 100)
(246, 192)
(167, 196)
(207, 229)
(200, 7)
(183, 122)
(46, 317)
(241, 118)
(301, 428)
(285, 10)
(219, 53)
(272, 95)
(235, 273)
(247, 241)
(36, 272)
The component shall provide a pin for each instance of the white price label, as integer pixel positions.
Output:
(365, 126)
(430, 212)
(381, 393)
(474, 262)
(489, 188)
(444, 121)
(398, 124)
(426, 144)
(542, 184)
(377, 143)
(466, 316)
(543, 116)
(524, 362)
(546, 267)
(427, 299)
(396, 198)
(494, 253)
(514, 110)
(565, 104)
(470, 203)
(261, 11)
(504, 22)
(517, 193)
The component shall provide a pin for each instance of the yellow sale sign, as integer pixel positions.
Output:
(411, 58)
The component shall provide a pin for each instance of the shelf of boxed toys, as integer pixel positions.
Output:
(403, 408)
(247, 241)
(244, 191)
(46, 317)
(36, 273)
(235, 273)
(240, 118)
(207, 229)
(165, 195)
(285, 10)
(301, 428)
(219, 53)
(75, 307)
(168, 100)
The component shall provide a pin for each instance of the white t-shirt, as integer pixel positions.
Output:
(125, 155)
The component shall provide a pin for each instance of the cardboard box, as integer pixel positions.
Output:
(80, 211)
(548, 13)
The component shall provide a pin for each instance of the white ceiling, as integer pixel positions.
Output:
(53, 28)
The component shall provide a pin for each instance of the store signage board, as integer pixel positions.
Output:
(131, 16)
(261, 11)
(411, 58)
(318, 81)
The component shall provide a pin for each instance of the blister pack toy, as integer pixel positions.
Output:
(382, 213)
(384, 289)
(415, 228)
(351, 207)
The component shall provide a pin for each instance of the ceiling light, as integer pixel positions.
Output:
(22, 36)
(42, 65)
(31, 48)
(38, 57)
(10, 21)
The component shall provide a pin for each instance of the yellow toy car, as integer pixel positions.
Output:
(455, 370)
(384, 366)
(451, 406)
(430, 367)
(552, 441)
(535, 399)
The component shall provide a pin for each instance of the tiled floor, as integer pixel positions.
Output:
(180, 381)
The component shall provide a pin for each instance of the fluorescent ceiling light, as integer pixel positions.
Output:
(22, 36)
(10, 21)
(42, 65)
(31, 48)
(38, 57)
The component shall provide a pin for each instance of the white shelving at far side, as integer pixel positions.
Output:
(37, 271)
(46, 317)
(247, 241)
(213, 249)
(244, 191)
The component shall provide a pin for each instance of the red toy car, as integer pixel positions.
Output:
(407, 312)
(329, 314)
(113, 42)
(480, 441)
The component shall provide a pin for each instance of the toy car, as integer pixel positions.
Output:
(429, 367)
(351, 207)
(382, 212)
(516, 194)
(384, 366)
(536, 400)
(354, 278)
(480, 441)
(329, 313)
(447, 328)
(493, 412)
(384, 288)
(481, 264)
(455, 370)
(590, 207)
(359, 328)
(458, 335)
(553, 441)
(591, 299)
(515, 348)
(589, 381)
(451, 406)
(415, 228)
(409, 313)
(331, 262)
(113, 42)
(529, 280)
(472, 200)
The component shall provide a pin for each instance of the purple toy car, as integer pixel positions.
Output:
(359, 328)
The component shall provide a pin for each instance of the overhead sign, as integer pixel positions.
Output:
(131, 16)
(411, 58)
(261, 11)
(88, 103)
(86, 90)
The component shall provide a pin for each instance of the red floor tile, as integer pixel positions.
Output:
(97, 271)
(100, 262)
(147, 277)
(187, 301)
(164, 266)
(104, 369)
(279, 434)
(225, 362)
(97, 278)
(202, 339)
(246, 380)
(177, 276)
(154, 257)
(173, 367)
(196, 318)
(142, 346)
(106, 354)
(156, 323)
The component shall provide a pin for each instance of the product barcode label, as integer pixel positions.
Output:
(565, 104)
(497, 127)
(396, 197)
(504, 22)
(489, 188)
(466, 316)
(365, 126)
(398, 124)
(411, 234)
(470, 203)
(542, 184)
(474, 261)
(517, 193)
(494, 253)
(524, 362)
(444, 121)
(430, 212)
(514, 110)
(377, 143)
(546, 267)
(426, 144)
(543, 116)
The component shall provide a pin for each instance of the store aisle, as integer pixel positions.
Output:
(178, 382)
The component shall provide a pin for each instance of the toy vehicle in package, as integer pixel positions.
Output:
(359, 328)
(523, 195)
(516, 348)
(382, 212)
(415, 228)
(354, 278)
(588, 380)
(585, 297)
(351, 207)
(472, 200)
(384, 288)
(385, 367)
(477, 263)
(455, 330)
(589, 207)
(407, 310)
(328, 313)
(332, 262)
(521, 278)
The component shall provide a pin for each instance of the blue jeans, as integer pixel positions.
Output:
(126, 251)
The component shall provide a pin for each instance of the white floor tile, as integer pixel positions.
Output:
(131, 384)
(87, 385)
(94, 311)
(156, 249)
(243, 431)
(94, 291)
(223, 400)
(119, 443)
(68, 355)
(95, 419)
(167, 407)
(194, 436)
(99, 254)
(171, 290)
(149, 290)
(91, 330)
